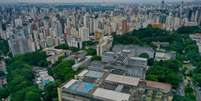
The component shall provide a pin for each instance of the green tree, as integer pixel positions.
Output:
(32, 94)
(2, 73)
(197, 78)
(181, 98)
(164, 71)
(62, 46)
(4, 92)
(51, 91)
(37, 58)
(144, 55)
(63, 71)
(88, 43)
(4, 48)
(96, 58)
(91, 51)
(18, 96)
(20, 78)
(189, 29)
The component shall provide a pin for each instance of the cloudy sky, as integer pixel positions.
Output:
(74, 1)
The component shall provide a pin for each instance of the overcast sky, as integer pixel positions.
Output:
(74, 1)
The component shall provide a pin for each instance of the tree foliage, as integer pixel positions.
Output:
(143, 36)
(37, 58)
(20, 83)
(3, 92)
(66, 47)
(4, 48)
(51, 91)
(189, 29)
(88, 43)
(30, 93)
(63, 70)
(91, 51)
(189, 92)
(181, 98)
(20, 76)
(62, 46)
(144, 55)
(165, 71)
(96, 58)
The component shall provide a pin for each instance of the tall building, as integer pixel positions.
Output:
(84, 33)
(125, 27)
(105, 44)
(86, 20)
(74, 42)
(21, 45)
(91, 25)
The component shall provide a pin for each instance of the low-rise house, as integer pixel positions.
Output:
(96, 65)
(197, 37)
(165, 56)
(83, 63)
(54, 54)
(135, 50)
(80, 58)
(42, 78)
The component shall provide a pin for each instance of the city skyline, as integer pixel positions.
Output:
(100, 50)
(90, 1)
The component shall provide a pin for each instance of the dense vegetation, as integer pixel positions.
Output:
(66, 47)
(144, 55)
(20, 76)
(3, 92)
(88, 43)
(62, 46)
(37, 58)
(182, 98)
(189, 92)
(188, 30)
(4, 48)
(165, 71)
(143, 36)
(20, 83)
(63, 70)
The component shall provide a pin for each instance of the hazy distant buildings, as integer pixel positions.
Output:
(84, 34)
(21, 45)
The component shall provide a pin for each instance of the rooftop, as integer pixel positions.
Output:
(79, 86)
(90, 73)
(138, 58)
(111, 95)
(158, 85)
(123, 79)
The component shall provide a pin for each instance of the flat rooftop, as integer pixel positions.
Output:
(91, 73)
(159, 85)
(139, 58)
(110, 95)
(79, 87)
(133, 81)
